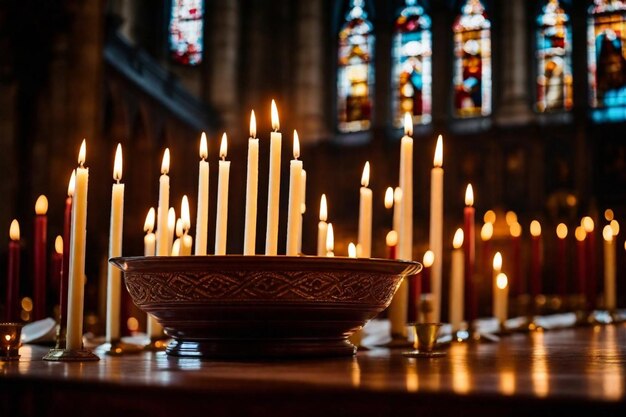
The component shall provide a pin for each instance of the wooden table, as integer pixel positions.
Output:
(573, 371)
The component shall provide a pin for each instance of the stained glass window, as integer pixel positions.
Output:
(186, 26)
(554, 59)
(472, 63)
(355, 70)
(607, 59)
(412, 77)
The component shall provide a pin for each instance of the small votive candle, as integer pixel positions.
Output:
(10, 334)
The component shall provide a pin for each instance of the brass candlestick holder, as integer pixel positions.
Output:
(425, 341)
(71, 355)
(10, 342)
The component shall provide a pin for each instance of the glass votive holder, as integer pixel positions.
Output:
(10, 341)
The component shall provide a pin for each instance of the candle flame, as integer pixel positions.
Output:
(561, 231)
(397, 196)
(323, 209)
(469, 195)
(296, 145)
(490, 216)
(392, 238)
(607, 233)
(587, 224)
(511, 218)
(438, 159)
(275, 121)
(330, 238)
(148, 225)
(502, 281)
(58, 245)
(252, 125)
(117, 164)
(179, 227)
(351, 250)
(165, 164)
(72, 184)
(580, 233)
(171, 220)
(82, 153)
(389, 198)
(365, 178)
(457, 241)
(615, 227)
(515, 229)
(204, 147)
(41, 205)
(535, 228)
(408, 124)
(497, 261)
(609, 215)
(223, 146)
(486, 232)
(429, 259)
(14, 230)
(184, 214)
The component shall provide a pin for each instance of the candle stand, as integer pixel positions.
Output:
(70, 355)
(10, 342)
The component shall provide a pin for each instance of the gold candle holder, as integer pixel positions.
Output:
(425, 341)
(10, 342)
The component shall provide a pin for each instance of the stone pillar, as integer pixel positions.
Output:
(513, 107)
(309, 83)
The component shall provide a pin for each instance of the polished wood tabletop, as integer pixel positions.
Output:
(580, 370)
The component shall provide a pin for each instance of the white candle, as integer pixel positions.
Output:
(295, 199)
(302, 210)
(501, 297)
(365, 214)
(76, 291)
(397, 206)
(330, 241)
(186, 241)
(351, 250)
(497, 268)
(609, 269)
(273, 194)
(436, 227)
(252, 190)
(221, 222)
(171, 228)
(163, 248)
(322, 227)
(176, 248)
(202, 217)
(149, 241)
(179, 235)
(457, 285)
(114, 281)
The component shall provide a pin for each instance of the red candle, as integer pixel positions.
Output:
(57, 264)
(67, 229)
(581, 264)
(13, 273)
(535, 259)
(592, 270)
(392, 244)
(427, 263)
(517, 287)
(40, 258)
(469, 247)
(561, 259)
(415, 287)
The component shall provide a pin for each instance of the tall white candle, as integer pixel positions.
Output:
(186, 241)
(295, 198)
(609, 269)
(221, 222)
(171, 228)
(365, 214)
(202, 216)
(497, 268)
(302, 210)
(252, 190)
(398, 307)
(330, 241)
(501, 297)
(457, 286)
(114, 281)
(436, 227)
(322, 227)
(273, 193)
(76, 290)
(163, 248)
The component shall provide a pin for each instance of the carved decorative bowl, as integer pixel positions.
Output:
(262, 306)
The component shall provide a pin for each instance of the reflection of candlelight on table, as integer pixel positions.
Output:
(539, 365)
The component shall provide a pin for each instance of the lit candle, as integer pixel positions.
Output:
(273, 194)
(456, 282)
(581, 261)
(592, 270)
(486, 233)
(427, 262)
(302, 210)
(186, 241)
(163, 248)
(471, 301)
(221, 222)
(425, 297)
(397, 206)
(501, 298)
(535, 259)
(149, 241)
(515, 229)
(561, 259)
(392, 243)
(351, 250)
(330, 241)
(295, 199)
(13, 273)
(179, 235)
(322, 227)
(40, 258)
(365, 214)
(202, 216)
(75, 304)
(609, 269)
(252, 190)
(176, 248)
(114, 281)
(497, 268)
(57, 264)
(171, 228)
(436, 227)
(67, 228)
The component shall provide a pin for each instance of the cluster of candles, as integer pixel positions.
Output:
(69, 258)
